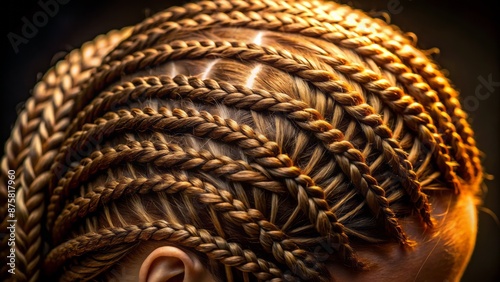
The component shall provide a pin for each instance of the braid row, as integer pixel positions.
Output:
(217, 248)
(462, 139)
(252, 221)
(212, 91)
(442, 156)
(359, 174)
(310, 197)
(34, 140)
(330, 12)
(364, 47)
(162, 155)
(371, 124)
(206, 91)
(63, 78)
(390, 39)
(450, 117)
(310, 27)
(297, 8)
(90, 266)
(189, 10)
(58, 144)
(220, 6)
(414, 116)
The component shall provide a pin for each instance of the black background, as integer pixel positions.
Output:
(466, 32)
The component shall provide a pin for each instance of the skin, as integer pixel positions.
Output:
(167, 263)
(440, 254)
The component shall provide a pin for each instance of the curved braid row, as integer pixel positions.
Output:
(41, 156)
(466, 153)
(215, 247)
(400, 103)
(336, 14)
(331, 12)
(310, 198)
(450, 117)
(299, 27)
(63, 79)
(223, 6)
(361, 44)
(188, 10)
(162, 155)
(252, 221)
(212, 91)
(358, 173)
(375, 130)
(339, 18)
(427, 96)
(197, 90)
(448, 96)
(390, 39)
(34, 139)
(438, 148)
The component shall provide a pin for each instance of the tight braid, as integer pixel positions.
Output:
(387, 37)
(265, 153)
(63, 78)
(404, 49)
(38, 124)
(164, 156)
(209, 7)
(468, 151)
(215, 247)
(210, 91)
(182, 120)
(323, 129)
(346, 33)
(322, 79)
(93, 264)
(361, 44)
(251, 220)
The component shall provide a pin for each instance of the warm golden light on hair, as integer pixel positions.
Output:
(274, 140)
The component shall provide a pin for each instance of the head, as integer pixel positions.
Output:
(247, 141)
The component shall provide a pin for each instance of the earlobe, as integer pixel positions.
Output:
(171, 264)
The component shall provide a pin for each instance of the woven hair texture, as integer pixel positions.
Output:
(263, 136)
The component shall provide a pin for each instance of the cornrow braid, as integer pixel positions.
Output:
(38, 126)
(362, 45)
(390, 39)
(230, 95)
(253, 222)
(405, 50)
(166, 156)
(316, 125)
(310, 197)
(186, 235)
(346, 33)
(209, 7)
(322, 79)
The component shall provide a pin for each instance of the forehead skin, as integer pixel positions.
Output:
(441, 254)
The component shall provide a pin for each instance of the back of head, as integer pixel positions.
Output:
(270, 139)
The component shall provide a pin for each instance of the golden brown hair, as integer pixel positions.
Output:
(268, 137)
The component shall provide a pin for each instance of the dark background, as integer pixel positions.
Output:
(466, 32)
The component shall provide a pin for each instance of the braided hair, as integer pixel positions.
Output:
(268, 137)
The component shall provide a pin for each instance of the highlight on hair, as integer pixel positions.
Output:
(261, 135)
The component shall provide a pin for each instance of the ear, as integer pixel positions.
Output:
(171, 264)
